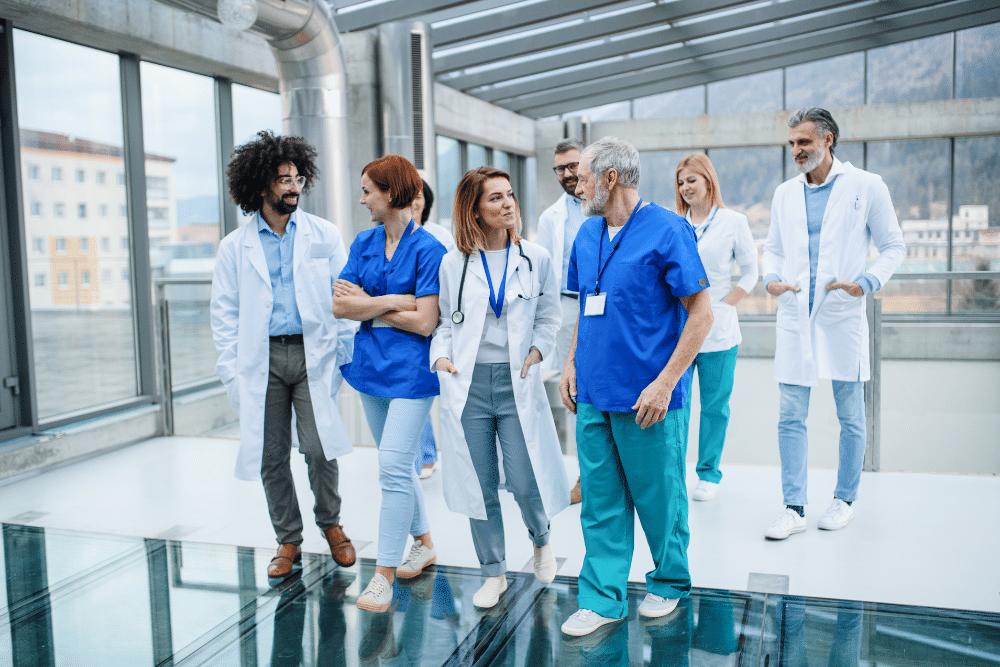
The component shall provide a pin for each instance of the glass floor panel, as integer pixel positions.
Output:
(81, 600)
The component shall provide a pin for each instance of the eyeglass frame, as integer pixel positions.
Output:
(560, 169)
(300, 180)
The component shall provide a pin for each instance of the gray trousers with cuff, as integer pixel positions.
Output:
(491, 412)
(288, 385)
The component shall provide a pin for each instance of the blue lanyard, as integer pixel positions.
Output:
(600, 249)
(496, 302)
(698, 237)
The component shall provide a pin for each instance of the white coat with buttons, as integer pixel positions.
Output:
(533, 317)
(241, 314)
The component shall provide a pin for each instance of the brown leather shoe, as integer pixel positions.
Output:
(281, 564)
(575, 495)
(340, 546)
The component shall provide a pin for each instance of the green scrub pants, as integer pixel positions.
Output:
(716, 372)
(624, 470)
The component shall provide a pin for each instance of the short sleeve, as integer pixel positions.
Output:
(685, 274)
(572, 279)
(428, 267)
(350, 272)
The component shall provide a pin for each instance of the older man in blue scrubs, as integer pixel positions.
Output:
(644, 313)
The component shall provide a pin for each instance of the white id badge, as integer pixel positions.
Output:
(496, 336)
(595, 304)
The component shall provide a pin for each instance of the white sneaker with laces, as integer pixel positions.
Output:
(704, 490)
(787, 523)
(545, 564)
(583, 622)
(837, 516)
(419, 558)
(377, 596)
(489, 594)
(655, 606)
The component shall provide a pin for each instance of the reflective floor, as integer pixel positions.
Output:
(73, 598)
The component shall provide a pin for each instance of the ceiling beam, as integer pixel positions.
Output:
(519, 17)
(399, 10)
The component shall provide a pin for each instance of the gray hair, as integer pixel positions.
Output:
(568, 145)
(821, 119)
(612, 152)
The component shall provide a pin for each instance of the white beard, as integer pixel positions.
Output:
(600, 201)
(814, 161)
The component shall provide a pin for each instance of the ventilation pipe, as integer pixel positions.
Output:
(313, 84)
(407, 97)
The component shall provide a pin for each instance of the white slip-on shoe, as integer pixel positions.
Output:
(654, 606)
(490, 593)
(787, 523)
(419, 558)
(545, 564)
(377, 596)
(427, 470)
(583, 622)
(837, 516)
(704, 490)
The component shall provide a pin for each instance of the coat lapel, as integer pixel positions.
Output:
(255, 251)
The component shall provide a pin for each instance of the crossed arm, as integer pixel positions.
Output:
(417, 315)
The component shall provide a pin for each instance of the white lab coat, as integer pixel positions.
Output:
(530, 322)
(552, 236)
(832, 342)
(442, 234)
(241, 313)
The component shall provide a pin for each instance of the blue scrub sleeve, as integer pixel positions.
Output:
(685, 273)
(572, 279)
(428, 266)
(350, 272)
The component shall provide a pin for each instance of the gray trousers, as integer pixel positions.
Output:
(490, 412)
(288, 385)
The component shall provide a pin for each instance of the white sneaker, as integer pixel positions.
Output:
(788, 522)
(419, 558)
(377, 596)
(654, 606)
(837, 516)
(427, 470)
(704, 490)
(583, 622)
(545, 564)
(489, 594)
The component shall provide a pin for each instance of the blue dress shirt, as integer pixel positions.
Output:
(279, 252)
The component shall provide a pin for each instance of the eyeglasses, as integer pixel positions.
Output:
(286, 181)
(560, 169)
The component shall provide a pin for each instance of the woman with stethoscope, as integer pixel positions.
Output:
(723, 237)
(500, 313)
(390, 285)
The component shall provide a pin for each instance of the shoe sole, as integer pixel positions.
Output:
(370, 605)
(657, 614)
(786, 535)
(583, 632)
(835, 526)
(410, 574)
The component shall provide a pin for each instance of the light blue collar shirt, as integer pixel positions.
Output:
(278, 252)
(574, 220)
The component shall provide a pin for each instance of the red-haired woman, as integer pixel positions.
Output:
(500, 306)
(390, 285)
(723, 237)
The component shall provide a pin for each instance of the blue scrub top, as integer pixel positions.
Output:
(390, 362)
(620, 352)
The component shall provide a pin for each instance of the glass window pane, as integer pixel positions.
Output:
(684, 102)
(254, 110)
(501, 160)
(834, 82)
(69, 103)
(656, 183)
(846, 152)
(977, 68)
(450, 172)
(613, 111)
(476, 156)
(917, 71)
(976, 211)
(757, 92)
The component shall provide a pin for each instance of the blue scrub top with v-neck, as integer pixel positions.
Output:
(390, 362)
(620, 352)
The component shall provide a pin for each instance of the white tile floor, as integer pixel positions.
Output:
(917, 539)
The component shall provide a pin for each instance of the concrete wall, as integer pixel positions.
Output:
(462, 116)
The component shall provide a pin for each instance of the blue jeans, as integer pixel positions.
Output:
(396, 424)
(793, 444)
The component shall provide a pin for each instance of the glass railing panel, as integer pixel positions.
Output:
(192, 350)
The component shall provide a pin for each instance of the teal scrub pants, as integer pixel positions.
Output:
(624, 470)
(716, 371)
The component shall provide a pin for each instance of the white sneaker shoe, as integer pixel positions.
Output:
(489, 594)
(704, 490)
(583, 622)
(427, 470)
(837, 516)
(419, 558)
(545, 564)
(377, 596)
(788, 522)
(654, 606)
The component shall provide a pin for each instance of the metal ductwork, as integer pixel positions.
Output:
(406, 87)
(313, 83)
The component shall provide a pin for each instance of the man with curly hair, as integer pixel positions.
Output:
(280, 347)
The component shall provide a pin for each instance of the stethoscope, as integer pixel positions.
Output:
(458, 317)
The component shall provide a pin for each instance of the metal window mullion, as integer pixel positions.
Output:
(138, 224)
(951, 219)
(224, 144)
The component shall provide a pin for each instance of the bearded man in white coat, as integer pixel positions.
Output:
(280, 347)
(822, 223)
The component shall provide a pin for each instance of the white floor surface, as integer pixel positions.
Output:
(919, 539)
